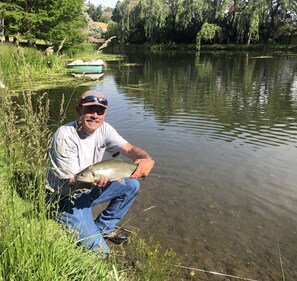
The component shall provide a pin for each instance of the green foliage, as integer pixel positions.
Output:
(12, 14)
(159, 21)
(150, 262)
(117, 13)
(114, 29)
(51, 20)
(153, 14)
(128, 18)
(242, 22)
(95, 12)
(207, 33)
(188, 12)
(94, 30)
(82, 51)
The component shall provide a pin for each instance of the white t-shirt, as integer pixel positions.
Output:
(71, 151)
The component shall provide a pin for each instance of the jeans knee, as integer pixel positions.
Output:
(133, 185)
(95, 245)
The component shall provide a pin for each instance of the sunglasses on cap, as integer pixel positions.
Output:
(100, 100)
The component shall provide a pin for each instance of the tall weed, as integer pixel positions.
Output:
(27, 64)
(149, 261)
(26, 139)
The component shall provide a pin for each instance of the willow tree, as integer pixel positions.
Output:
(207, 33)
(248, 21)
(260, 20)
(126, 14)
(291, 25)
(242, 20)
(228, 21)
(190, 15)
(200, 17)
(153, 15)
(281, 17)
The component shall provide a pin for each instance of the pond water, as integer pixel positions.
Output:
(222, 128)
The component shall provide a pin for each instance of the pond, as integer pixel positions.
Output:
(222, 128)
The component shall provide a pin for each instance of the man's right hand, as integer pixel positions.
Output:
(102, 182)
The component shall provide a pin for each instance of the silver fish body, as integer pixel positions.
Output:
(111, 169)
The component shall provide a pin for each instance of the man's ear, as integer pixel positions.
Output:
(79, 109)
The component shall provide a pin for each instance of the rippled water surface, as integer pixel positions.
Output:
(222, 129)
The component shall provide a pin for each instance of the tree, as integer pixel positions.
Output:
(95, 12)
(126, 14)
(234, 21)
(282, 18)
(51, 20)
(153, 15)
(12, 15)
(207, 33)
(291, 25)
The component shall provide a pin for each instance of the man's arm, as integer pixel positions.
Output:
(140, 157)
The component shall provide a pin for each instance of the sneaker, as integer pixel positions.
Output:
(118, 237)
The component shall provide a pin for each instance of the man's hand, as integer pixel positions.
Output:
(99, 183)
(144, 167)
(102, 182)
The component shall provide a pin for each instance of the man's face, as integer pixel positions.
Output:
(92, 118)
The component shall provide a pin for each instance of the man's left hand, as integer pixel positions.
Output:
(144, 167)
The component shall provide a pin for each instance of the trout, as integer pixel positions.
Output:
(111, 169)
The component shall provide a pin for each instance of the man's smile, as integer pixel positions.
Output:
(92, 120)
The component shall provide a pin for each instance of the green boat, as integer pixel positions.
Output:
(90, 69)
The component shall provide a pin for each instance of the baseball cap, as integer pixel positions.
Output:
(89, 98)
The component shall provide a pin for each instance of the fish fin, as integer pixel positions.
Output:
(115, 155)
(121, 181)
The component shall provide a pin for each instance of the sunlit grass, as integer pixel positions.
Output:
(21, 62)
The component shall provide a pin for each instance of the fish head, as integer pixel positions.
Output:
(86, 176)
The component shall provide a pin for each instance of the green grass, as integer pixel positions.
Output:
(32, 246)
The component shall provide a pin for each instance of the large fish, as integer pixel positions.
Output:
(111, 169)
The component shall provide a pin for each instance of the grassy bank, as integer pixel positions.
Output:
(24, 68)
(32, 246)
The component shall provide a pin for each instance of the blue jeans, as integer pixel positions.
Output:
(77, 214)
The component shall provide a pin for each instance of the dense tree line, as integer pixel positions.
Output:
(156, 21)
(206, 21)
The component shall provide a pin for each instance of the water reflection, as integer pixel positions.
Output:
(226, 96)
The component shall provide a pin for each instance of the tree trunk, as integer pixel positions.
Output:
(249, 38)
